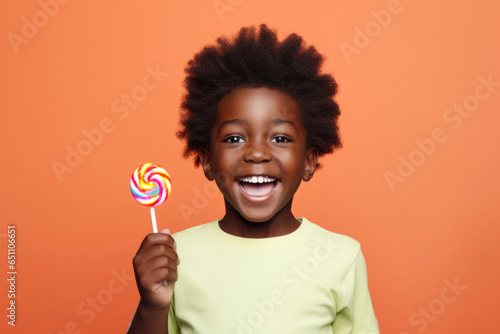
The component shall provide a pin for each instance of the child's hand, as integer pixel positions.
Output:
(156, 261)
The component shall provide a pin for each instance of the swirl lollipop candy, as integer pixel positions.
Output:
(150, 185)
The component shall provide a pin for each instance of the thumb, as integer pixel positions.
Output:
(166, 231)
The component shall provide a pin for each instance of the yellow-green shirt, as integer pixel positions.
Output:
(309, 281)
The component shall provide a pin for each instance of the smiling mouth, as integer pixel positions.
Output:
(258, 186)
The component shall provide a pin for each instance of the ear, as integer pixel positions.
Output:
(205, 162)
(310, 164)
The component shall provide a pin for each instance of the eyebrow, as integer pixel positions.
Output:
(231, 121)
(242, 121)
(282, 121)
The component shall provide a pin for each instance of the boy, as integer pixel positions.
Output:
(257, 116)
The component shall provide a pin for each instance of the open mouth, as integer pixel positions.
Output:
(258, 186)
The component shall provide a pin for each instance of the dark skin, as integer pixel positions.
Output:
(156, 261)
(258, 141)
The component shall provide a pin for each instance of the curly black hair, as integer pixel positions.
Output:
(258, 59)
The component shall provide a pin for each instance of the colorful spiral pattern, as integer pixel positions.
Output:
(150, 185)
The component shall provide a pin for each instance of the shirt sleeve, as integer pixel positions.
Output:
(173, 328)
(357, 317)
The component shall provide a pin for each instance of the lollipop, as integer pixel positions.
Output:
(150, 185)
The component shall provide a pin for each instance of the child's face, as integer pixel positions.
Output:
(258, 153)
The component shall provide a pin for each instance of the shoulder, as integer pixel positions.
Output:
(340, 246)
(341, 239)
(193, 231)
(193, 234)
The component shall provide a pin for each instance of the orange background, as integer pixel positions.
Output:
(76, 232)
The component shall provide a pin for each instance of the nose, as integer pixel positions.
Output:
(257, 152)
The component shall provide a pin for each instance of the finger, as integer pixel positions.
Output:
(167, 231)
(155, 279)
(154, 239)
(175, 249)
(160, 250)
(156, 263)
(164, 275)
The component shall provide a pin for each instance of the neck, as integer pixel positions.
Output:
(282, 223)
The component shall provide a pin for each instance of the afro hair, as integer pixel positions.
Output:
(257, 59)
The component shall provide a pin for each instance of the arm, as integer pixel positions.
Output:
(357, 317)
(149, 321)
(156, 261)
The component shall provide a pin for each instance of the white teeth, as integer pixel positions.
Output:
(257, 179)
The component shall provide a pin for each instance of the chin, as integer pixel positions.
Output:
(257, 218)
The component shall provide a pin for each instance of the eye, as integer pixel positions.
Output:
(233, 139)
(280, 139)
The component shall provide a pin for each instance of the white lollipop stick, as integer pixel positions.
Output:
(153, 219)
